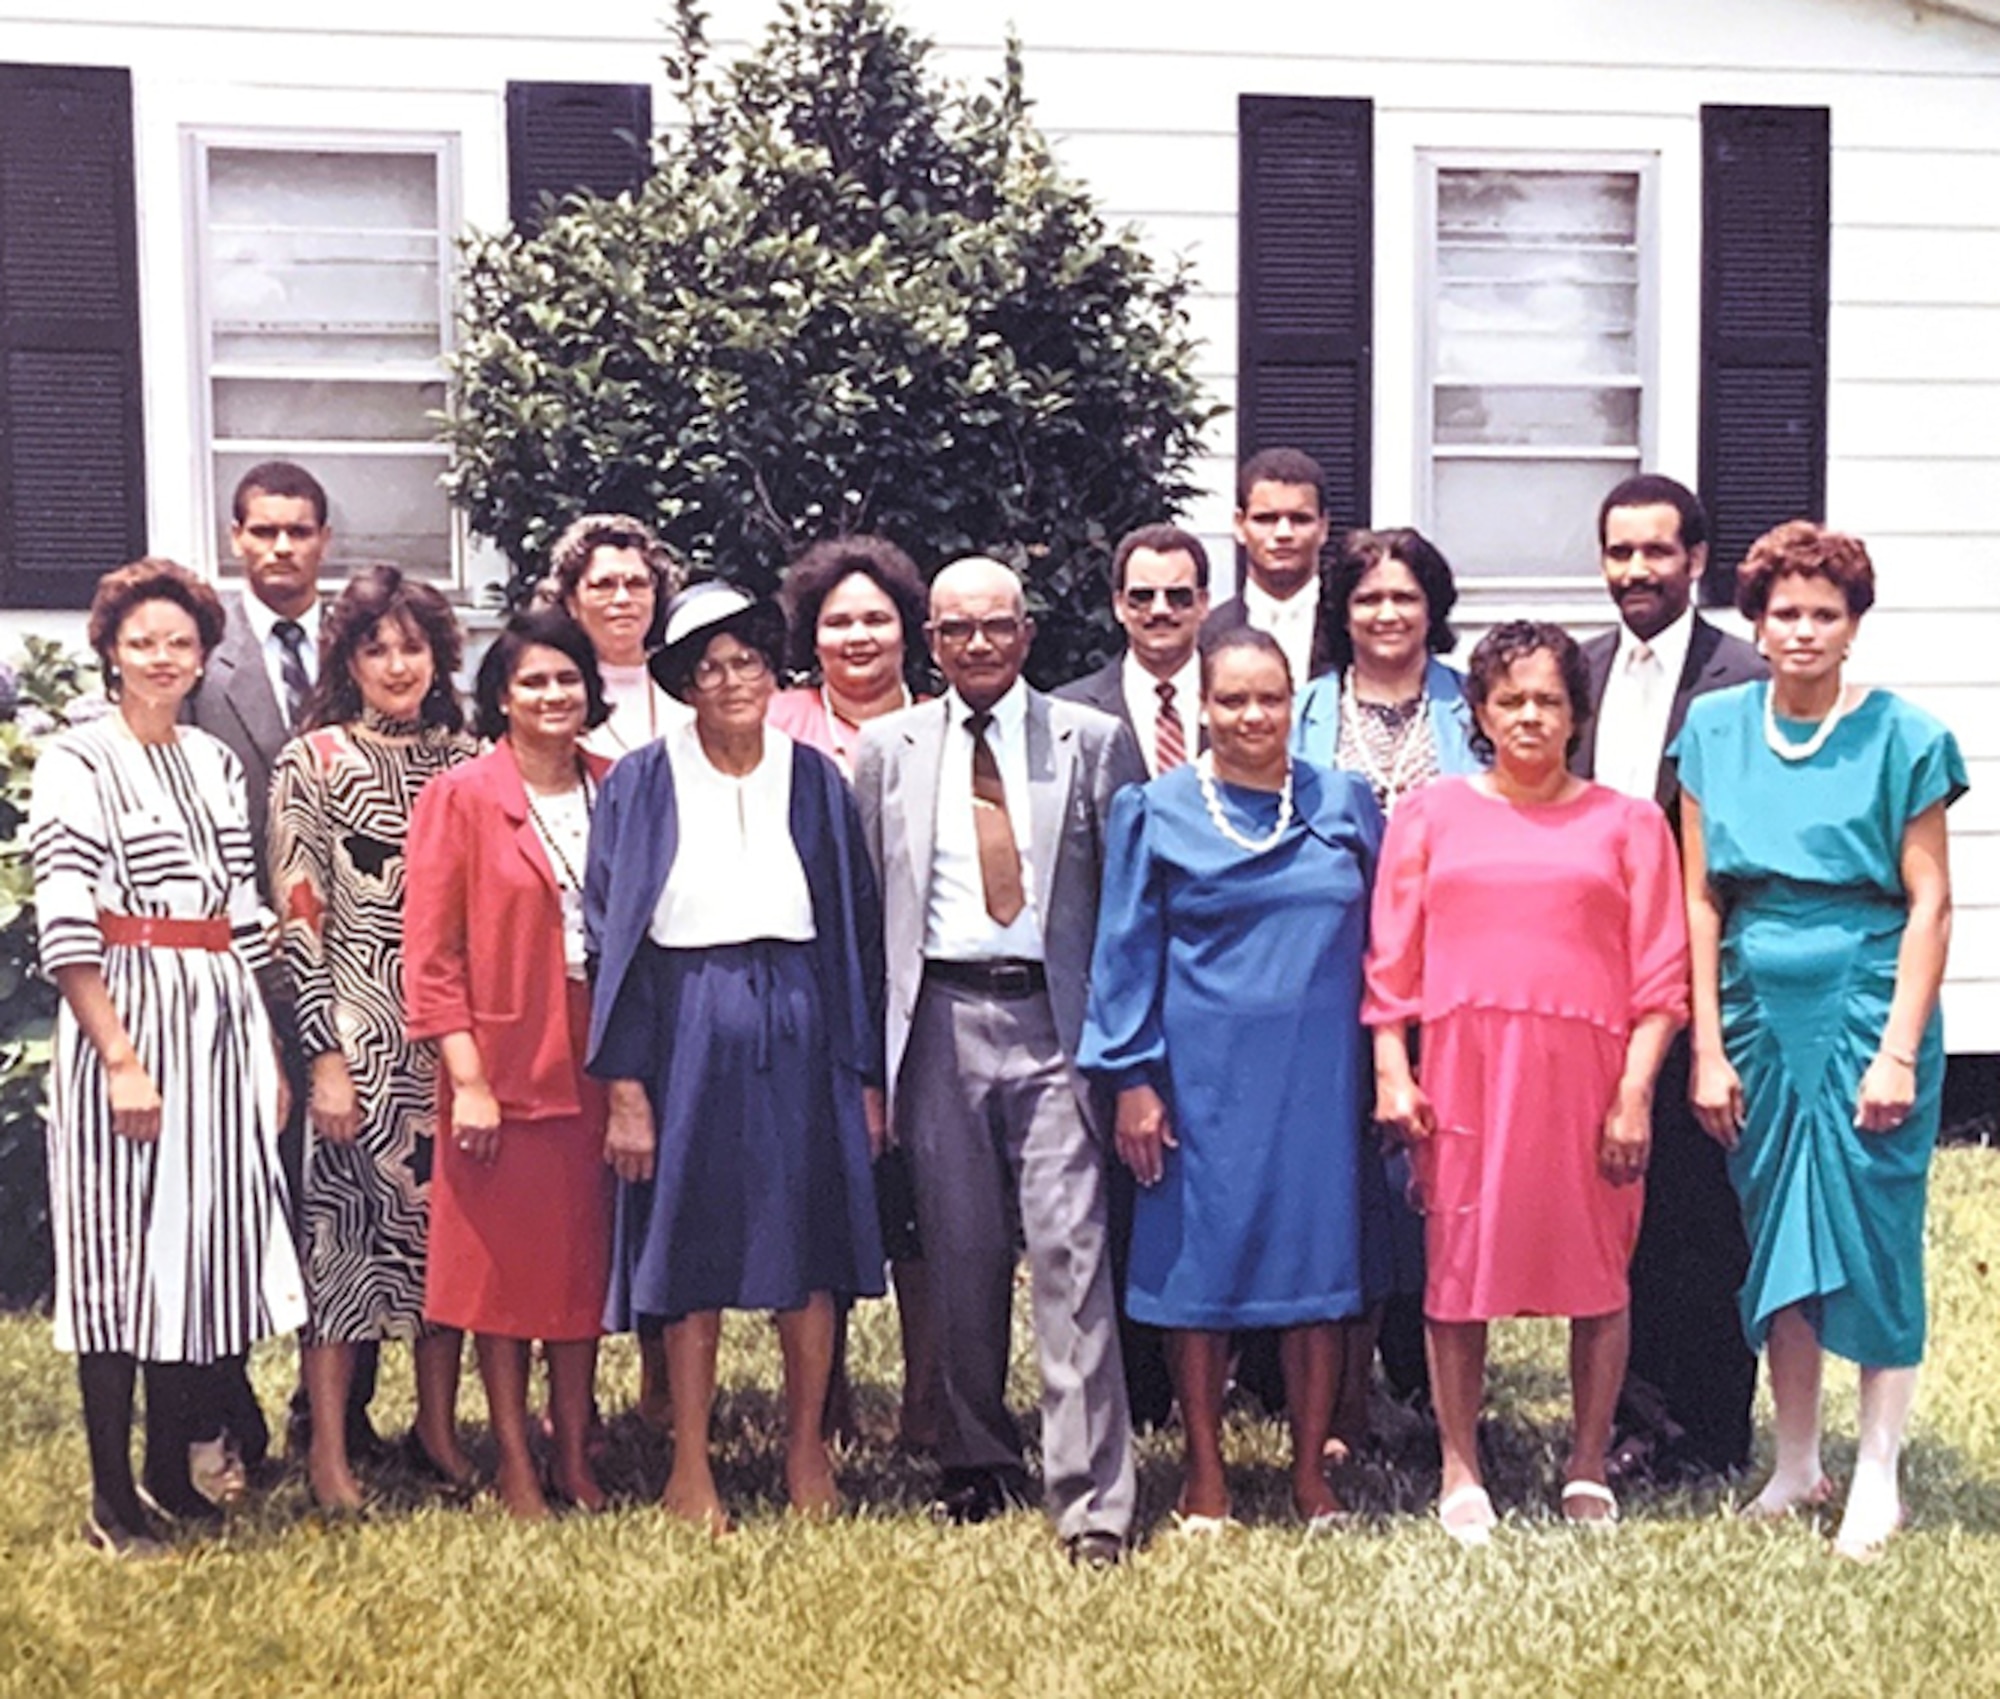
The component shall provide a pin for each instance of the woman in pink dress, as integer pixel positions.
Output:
(1528, 921)
(856, 607)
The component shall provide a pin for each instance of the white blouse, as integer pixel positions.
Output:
(640, 712)
(736, 873)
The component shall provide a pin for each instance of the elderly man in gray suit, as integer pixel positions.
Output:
(985, 811)
(1685, 1408)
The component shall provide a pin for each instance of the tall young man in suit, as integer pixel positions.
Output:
(1686, 1403)
(251, 695)
(985, 812)
(1159, 597)
(1281, 525)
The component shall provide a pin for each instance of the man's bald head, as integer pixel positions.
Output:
(980, 630)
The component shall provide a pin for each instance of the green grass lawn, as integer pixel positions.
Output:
(428, 1599)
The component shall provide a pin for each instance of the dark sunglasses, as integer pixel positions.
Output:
(1180, 597)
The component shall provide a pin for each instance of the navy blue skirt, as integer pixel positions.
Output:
(761, 1194)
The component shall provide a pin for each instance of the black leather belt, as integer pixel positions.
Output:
(1006, 979)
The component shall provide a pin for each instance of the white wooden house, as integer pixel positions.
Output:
(1482, 259)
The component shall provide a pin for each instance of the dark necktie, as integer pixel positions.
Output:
(292, 669)
(999, 855)
(1169, 736)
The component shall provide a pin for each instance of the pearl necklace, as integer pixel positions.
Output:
(1204, 767)
(1782, 747)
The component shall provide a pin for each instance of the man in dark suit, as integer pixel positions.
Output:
(253, 690)
(985, 812)
(1685, 1409)
(1281, 526)
(1159, 597)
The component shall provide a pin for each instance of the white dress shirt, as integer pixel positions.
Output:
(1142, 702)
(1638, 702)
(957, 927)
(263, 626)
(736, 873)
(1290, 621)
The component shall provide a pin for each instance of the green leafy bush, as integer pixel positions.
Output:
(848, 298)
(36, 700)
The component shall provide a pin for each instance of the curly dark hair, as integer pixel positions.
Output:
(1801, 549)
(545, 628)
(1513, 641)
(811, 578)
(150, 579)
(1358, 554)
(375, 594)
(569, 560)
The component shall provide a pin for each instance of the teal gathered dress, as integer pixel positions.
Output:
(1804, 858)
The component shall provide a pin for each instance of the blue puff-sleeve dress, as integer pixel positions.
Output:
(1804, 859)
(1231, 983)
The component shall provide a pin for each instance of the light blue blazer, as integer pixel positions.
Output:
(1316, 719)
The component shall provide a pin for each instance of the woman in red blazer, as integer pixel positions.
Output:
(493, 971)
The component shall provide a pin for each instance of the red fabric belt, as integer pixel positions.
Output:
(157, 932)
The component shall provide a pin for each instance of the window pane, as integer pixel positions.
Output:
(1511, 208)
(282, 189)
(326, 410)
(383, 508)
(1522, 518)
(1537, 416)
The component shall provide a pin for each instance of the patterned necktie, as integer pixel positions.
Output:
(999, 855)
(1169, 736)
(292, 669)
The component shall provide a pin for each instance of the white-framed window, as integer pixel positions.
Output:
(1539, 366)
(323, 312)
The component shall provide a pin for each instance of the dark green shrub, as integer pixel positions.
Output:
(849, 298)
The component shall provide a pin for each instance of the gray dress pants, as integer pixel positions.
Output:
(988, 1112)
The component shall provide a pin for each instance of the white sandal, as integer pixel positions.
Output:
(1476, 1532)
(1596, 1492)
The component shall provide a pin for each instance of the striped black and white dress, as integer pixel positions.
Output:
(177, 1250)
(340, 810)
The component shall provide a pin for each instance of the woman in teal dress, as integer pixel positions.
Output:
(1225, 1011)
(1819, 911)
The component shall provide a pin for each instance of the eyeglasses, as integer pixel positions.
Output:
(1179, 597)
(636, 585)
(999, 631)
(744, 667)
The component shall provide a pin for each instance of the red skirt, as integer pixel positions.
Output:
(521, 1247)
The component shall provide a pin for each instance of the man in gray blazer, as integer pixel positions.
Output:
(1685, 1409)
(985, 812)
(253, 689)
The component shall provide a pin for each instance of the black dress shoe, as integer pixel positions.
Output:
(416, 1458)
(1095, 1548)
(978, 1495)
(364, 1445)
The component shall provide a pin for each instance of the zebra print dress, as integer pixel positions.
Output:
(340, 810)
(177, 1250)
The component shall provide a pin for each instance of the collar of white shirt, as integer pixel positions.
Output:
(1670, 648)
(1141, 685)
(1268, 612)
(264, 618)
(1010, 713)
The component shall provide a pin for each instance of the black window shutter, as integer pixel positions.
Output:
(562, 137)
(72, 429)
(1307, 288)
(1765, 197)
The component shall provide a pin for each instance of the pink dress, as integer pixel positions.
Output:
(801, 715)
(1527, 940)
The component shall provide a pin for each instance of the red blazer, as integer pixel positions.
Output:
(482, 934)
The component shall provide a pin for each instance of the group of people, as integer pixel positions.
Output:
(1284, 993)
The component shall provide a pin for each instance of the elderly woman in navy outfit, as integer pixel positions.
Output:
(1388, 710)
(731, 912)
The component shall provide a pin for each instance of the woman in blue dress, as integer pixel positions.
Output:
(1390, 710)
(1225, 1012)
(1819, 908)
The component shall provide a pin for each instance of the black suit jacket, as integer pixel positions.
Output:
(1715, 661)
(1105, 690)
(1227, 616)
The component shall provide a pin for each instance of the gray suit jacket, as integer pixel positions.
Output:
(1078, 759)
(1715, 661)
(234, 702)
(1104, 690)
